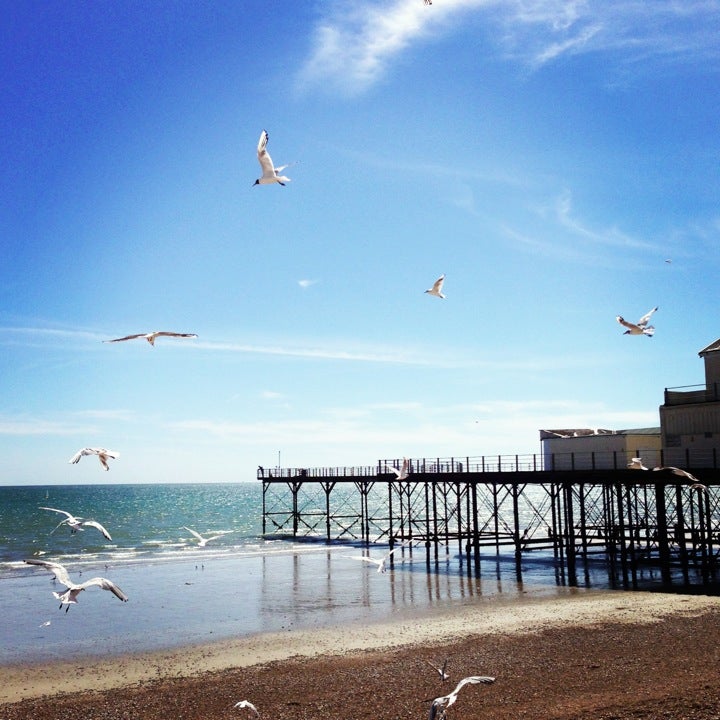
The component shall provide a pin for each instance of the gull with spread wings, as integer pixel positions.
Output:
(270, 173)
(641, 327)
(150, 337)
(203, 541)
(102, 454)
(77, 523)
(441, 704)
(436, 289)
(69, 597)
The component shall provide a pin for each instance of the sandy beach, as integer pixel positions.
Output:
(604, 654)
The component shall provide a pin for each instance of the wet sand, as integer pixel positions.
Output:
(604, 654)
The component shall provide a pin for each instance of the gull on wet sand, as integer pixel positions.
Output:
(436, 289)
(69, 597)
(150, 337)
(77, 523)
(102, 454)
(203, 541)
(441, 704)
(641, 327)
(247, 704)
(270, 173)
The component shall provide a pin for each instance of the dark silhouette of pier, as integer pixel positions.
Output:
(479, 507)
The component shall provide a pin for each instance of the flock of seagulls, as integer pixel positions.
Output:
(76, 523)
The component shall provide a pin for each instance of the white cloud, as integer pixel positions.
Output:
(331, 351)
(354, 43)
(362, 435)
(306, 283)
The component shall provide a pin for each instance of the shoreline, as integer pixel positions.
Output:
(428, 628)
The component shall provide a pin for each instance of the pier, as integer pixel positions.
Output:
(574, 508)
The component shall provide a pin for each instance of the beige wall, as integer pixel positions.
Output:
(601, 451)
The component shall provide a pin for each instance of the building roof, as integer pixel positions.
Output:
(712, 347)
(586, 432)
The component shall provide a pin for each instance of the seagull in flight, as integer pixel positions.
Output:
(636, 464)
(77, 523)
(247, 704)
(641, 327)
(680, 472)
(150, 337)
(270, 173)
(440, 670)
(404, 470)
(69, 597)
(381, 562)
(436, 289)
(203, 541)
(441, 704)
(102, 454)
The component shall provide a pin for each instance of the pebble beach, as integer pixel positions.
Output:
(593, 654)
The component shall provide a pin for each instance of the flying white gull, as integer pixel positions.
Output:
(404, 470)
(102, 454)
(441, 704)
(436, 289)
(269, 171)
(69, 597)
(696, 484)
(77, 523)
(247, 704)
(636, 464)
(381, 562)
(150, 337)
(442, 671)
(677, 471)
(641, 327)
(205, 540)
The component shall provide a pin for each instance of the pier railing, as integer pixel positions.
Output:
(687, 459)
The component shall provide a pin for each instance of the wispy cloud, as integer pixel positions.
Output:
(332, 351)
(354, 43)
(336, 435)
(306, 283)
(563, 212)
(80, 422)
(44, 335)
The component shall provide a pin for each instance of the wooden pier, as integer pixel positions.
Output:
(476, 507)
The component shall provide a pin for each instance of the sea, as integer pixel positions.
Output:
(240, 584)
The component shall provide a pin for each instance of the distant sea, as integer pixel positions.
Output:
(238, 585)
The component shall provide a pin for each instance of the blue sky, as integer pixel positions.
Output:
(548, 157)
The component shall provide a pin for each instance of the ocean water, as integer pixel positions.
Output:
(238, 585)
